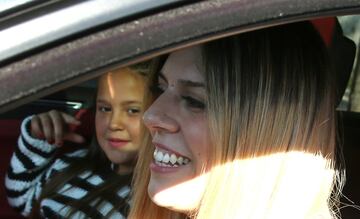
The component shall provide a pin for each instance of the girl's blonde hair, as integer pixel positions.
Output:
(271, 114)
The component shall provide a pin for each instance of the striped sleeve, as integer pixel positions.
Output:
(29, 169)
(80, 186)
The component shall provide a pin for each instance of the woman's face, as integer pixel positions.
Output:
(119, 107)
(178, 125)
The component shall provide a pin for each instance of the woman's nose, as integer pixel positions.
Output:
(158, 117)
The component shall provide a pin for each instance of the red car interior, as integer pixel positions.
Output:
(9, 133)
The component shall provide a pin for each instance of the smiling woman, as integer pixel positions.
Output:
(242, 127)
(180, 110)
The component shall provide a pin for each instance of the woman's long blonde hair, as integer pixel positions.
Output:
(271, 113)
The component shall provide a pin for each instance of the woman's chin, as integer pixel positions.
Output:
(182, 197)
(172, 203)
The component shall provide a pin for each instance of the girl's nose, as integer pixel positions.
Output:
(117, 121)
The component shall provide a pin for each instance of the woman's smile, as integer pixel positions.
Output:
(166, 160)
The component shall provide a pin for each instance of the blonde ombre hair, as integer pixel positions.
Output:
(271, 113)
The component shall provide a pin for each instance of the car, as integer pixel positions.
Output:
(53, 50)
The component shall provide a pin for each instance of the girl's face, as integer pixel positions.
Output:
(178, 125)
(118, 113)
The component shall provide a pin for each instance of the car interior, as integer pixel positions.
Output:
(79, 100)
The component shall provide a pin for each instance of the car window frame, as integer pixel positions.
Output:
(43, 72)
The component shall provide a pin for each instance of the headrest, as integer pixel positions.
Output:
(341, 50)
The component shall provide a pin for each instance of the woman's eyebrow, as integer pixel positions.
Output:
(189, 83)
(183, 82)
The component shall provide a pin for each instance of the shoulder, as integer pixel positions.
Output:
(76, 154)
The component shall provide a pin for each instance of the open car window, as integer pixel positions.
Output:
(351, 99)
(58, 68)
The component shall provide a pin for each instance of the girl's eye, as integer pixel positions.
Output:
(193, 103)
(133, 111)
(104, 109)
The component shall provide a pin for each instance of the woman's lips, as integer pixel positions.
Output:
(154, 167)
(165, 148)
(166, 160)
(117, 143)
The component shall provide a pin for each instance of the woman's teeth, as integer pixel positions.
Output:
(164, 159)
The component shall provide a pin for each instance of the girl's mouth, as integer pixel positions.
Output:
(117, 143)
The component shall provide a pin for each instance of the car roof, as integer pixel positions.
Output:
(45, 23)
(46, 64)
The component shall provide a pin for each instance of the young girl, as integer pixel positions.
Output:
(87, 183)
(243, 127)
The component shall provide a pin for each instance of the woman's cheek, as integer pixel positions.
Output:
(198, 136)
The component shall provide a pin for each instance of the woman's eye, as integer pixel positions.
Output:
(104, 108)
(157, 89)
(193, 103)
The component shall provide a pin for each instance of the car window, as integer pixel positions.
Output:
(36, 71)
(351, 98)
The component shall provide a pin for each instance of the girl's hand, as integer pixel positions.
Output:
(53, 126)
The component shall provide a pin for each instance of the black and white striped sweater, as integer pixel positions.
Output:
(32, 165)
